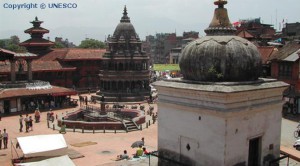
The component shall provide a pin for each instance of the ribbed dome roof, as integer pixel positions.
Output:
(125, 28)
(220, 56)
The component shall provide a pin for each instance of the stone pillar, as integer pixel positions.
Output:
(29, 70)
(13, 70)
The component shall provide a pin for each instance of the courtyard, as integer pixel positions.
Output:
(101, 149)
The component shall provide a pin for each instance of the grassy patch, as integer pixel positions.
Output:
(164, 67)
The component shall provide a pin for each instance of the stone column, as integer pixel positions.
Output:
(13, 70)
(29, 70)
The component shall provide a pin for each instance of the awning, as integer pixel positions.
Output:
(23, 92)
(43, 145)
(62, 160)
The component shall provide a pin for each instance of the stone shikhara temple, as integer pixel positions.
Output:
(125, 74)
(220, 112)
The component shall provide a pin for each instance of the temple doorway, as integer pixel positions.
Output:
(254, 151)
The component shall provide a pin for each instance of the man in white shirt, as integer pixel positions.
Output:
(5, 138)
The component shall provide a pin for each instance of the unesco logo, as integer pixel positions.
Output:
(62, 5)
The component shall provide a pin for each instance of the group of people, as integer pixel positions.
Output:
(28, 123)
(140, 152)
(3, 138)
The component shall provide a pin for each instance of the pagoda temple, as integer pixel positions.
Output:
(37, 44)
(125, 73)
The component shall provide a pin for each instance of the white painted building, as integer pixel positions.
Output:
(220, 113)
(202, 124)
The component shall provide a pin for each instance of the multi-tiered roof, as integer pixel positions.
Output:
(37, 44)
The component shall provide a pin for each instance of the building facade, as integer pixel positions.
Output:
(67, 67)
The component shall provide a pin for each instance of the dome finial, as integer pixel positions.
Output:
(220, 3)
(125, 18)
(220, 24)
(125, 11)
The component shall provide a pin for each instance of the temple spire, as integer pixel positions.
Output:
(125, 11)
(220, 24)
(125, 18)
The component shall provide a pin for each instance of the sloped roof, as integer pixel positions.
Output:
(36, 30)
(18, 92)
(84, 54)
(50, 65)
(266, 52)
(245, 34)
(286, 50)
(6, 54)
(36, 42)
(54, 59)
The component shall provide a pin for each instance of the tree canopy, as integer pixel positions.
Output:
(12, 44)
(91, 43)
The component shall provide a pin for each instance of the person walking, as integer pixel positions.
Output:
(30, 123)
(1, 138)
(21, 119)
(5, 138)
(26, 123)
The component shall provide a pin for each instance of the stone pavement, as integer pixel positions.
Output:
(107, 147)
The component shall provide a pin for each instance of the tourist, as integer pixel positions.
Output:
(21, 123)
(37, 115)
(51, 116)
(30, 123)
(145, 152)
(26, 123)
(139, 152)
(1, 138)
(5, 138)
(123, 156)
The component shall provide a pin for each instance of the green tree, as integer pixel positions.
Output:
(12, 44)
(91, 43)
(59, 45)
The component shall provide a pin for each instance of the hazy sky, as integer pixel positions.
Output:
(98, 18)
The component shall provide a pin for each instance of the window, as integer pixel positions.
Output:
(285, 70)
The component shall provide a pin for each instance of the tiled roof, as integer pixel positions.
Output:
(266, 52)
(54, 60)
(36, 42)
(36, 30)
(54, 55)
(39, 66)
(4, 51)
(245, 34)
(6, 54)
(50, 66)
(18, 92)
(286, 51)
(84, 54)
